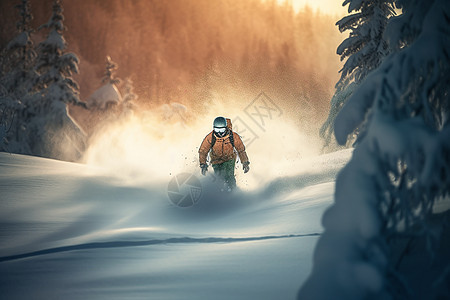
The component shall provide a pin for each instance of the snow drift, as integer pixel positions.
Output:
(73, 231)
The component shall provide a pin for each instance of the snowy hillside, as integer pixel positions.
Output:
(68, 231)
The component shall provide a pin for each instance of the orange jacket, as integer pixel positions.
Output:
(222, 150)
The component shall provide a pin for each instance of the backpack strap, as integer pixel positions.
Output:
(213, 139)
(232, 138)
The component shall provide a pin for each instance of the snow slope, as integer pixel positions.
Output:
(68, 231)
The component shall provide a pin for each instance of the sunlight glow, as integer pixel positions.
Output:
(331, 7)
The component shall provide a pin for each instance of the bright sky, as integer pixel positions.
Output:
(333, 7)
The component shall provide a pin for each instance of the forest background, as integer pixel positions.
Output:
(200, 52)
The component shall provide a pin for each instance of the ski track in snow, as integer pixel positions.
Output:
(120, 244)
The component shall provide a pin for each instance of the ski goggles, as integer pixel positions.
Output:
(220, 129)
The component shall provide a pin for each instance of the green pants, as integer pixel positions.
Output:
(225, 171)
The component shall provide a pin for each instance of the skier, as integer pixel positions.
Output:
(223, 144)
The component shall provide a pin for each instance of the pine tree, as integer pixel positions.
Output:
(365, 47)
(399, 171)
(110, 70)
(364, 50)
(18, 77)
(20, 56)
(52, 132)
(55, 67)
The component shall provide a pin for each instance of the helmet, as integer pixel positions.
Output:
(220, 126)
(220, 122)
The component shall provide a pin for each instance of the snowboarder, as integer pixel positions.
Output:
(223, 144)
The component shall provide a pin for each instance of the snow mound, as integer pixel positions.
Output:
(104, 97)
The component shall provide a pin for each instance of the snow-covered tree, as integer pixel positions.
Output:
(110, 70)
(17, 79)
(9, 107)
(55, 67)
(54, 90)
(20, 55)
(108, 97)
(337, 102)
(364, 50)
(365, 47)
(395, 190)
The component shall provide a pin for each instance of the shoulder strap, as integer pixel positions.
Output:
(232, 138)
(213, 139)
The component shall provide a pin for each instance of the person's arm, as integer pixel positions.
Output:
(204, 149)
(240, 148)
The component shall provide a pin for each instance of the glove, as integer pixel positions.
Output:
(204, 169)
(246, 166)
